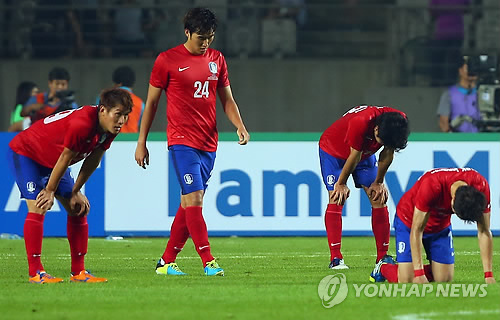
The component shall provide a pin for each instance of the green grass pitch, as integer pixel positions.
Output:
(266, 278)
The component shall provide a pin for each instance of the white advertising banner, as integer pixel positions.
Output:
(273, 187)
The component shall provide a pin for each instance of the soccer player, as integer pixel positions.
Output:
(423, 220)
(191, 74)
(40, 156)
(347, 147)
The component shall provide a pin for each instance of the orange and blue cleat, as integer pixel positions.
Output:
(44, 277)
(86, 276)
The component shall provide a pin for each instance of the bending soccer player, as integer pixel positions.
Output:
(347, 147)
(192, 74)
(423, 222)
(40, 156)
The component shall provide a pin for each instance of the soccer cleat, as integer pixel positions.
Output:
(86, 276)
(337, 264)
(212, 269)
(376, 275)
(44, 277)
(170, 269)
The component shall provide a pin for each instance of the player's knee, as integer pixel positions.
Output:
(443, 277)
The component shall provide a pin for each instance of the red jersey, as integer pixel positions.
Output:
(75, 129)
(354, 129)
(191, 83)
(431, 193)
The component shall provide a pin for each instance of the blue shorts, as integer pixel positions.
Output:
(438, 246)
(192, 166)
(364, 174)
(32, 177)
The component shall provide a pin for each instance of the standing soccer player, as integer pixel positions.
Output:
(423, 220)
(191, 74)
(347, 147)
(40, 156)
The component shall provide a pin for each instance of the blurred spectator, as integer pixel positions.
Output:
(21, 20)
(447, 38)
(56, 29)
(132, 27)
(92, 27)
(124, 78)
(25, 90)
(291, 9)
(457, 108)
(57, 99)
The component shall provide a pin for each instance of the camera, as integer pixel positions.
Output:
(67, 97)
(485, 67)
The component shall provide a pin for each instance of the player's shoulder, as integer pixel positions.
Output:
(215, 54)
(84, 118)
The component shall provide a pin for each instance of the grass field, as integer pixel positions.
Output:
(266, 278)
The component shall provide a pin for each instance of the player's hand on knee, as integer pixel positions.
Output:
(142, 155)
(420, 279)
(378, 192)
(79, 204)
(490, 280)
(340, 193)
(45, 199)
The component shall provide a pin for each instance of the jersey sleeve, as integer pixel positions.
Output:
(426, 195)
(76, 136)
(223, 75)
(159, 75)
(355, 134)
(444, 106)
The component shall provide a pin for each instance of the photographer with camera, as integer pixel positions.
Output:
(458, 110)
(57, 99)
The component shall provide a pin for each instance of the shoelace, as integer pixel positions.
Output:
(46, 275)
(175, 267)
(213, 264)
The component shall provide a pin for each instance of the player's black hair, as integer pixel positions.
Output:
(23, 92)
(393, 130)
(200, 20)
(59, 73)
(124, 75)
(469, 203)
(111, 98)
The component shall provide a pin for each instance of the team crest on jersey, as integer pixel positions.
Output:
(188, 178)
(102, 138)
(212, 66)
(330, 179)
(31, 186)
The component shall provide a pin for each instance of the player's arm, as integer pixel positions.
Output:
(88, 167)
(233, 113)
(141, 151)
(444, 123)
(377, 189)
(340, 190)
(45, 199)
(417, 231)
(485, 239)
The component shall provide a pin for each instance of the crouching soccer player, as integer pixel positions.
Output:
(423, 219)
(347, 147)
(40, 156)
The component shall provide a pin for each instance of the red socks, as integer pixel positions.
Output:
(390, 272)
(33, 236)
(333, 224)
(198, 231)
(78, 236)
(381, 230)
(179, 234)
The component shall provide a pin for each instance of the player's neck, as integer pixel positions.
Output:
(455, 185)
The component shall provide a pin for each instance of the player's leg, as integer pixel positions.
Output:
(30, 179)
(330, 171)
(364, 175)
(386, 268)
(77, 231)
(442, 255)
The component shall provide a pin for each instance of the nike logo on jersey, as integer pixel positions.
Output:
(182, 69)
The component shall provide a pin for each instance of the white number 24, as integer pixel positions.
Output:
(201, 89)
